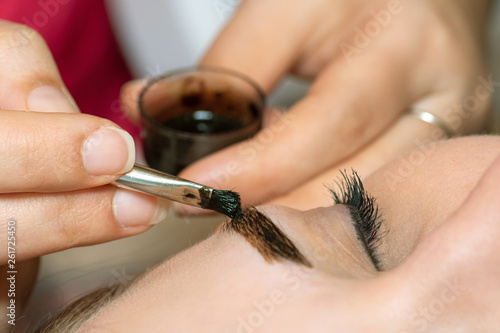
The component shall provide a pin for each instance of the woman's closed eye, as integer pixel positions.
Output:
(284, 234)
(363, 210)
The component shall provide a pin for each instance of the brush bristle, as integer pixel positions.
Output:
(225, 202)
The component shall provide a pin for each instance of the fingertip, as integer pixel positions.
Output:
(217, 170)
(108, 151)
(133, 209)
(161, 212)
(129, 99)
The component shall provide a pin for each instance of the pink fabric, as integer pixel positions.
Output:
(79, 35)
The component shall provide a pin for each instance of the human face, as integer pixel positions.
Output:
(224, 284)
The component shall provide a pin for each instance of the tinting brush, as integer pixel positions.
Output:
(170, 187)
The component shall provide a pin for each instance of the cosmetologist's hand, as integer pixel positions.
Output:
(371, 62)
(56, 162)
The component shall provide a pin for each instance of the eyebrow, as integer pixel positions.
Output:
(265, 236)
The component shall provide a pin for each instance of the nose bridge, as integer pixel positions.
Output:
(336, 247)
(327, 231)
(329, 213)
(284, 217)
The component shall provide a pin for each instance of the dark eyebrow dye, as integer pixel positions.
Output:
(265, 236)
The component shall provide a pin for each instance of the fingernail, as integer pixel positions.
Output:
(134, 209)
(49, 99)
(108, 151)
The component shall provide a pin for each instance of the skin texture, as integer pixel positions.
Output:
(440, 276)
(370, 62)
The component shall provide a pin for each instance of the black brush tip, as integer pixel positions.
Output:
(225, 202)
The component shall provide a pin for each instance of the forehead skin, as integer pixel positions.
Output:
(419, 191)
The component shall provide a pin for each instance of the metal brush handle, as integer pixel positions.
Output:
(163, 185)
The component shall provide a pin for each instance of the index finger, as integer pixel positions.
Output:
(51, 152)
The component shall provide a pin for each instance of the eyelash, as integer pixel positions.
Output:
(364, 211)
